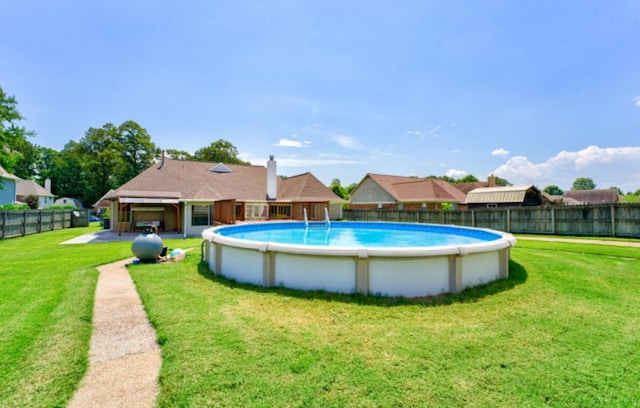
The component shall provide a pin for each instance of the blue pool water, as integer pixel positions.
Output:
(358, 234)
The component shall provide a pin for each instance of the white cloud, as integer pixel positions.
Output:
(432, 131)
(500, 152)
(296, 161)
(292, 162)
(291, 143)
(456, 174)
(609, 165)
(347, 141)
(636, 101)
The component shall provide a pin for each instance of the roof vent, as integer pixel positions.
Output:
(220, 168)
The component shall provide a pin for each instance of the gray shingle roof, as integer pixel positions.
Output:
(194, 180)
(30, 187)
(412, 189)
(305, 187)
(598, 196)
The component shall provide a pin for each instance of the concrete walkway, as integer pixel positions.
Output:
(103, 236)
(125, 357)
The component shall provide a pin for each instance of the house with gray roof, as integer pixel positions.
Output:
(403, 193)
(190, 196)
(25, 188)
(589, 197)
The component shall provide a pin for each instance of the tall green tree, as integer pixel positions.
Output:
(45, 164)
(340, 190)
(617, 189)
(469, 178)
(220, 151)
(337, 189)
(13, 137)
(101, 161)
(104, 158)
(70, 173)
(553, 190)
(448, 179)
(176, 154)
(583, 183)
(502, 182)
(138, 151)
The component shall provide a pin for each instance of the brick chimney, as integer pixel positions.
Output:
(491, 181)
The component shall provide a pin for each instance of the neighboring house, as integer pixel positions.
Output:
(584, 197)
(7, 187)
(498, 197)
(69, 201)
(403, 193)
(25, 188)
(190, 196)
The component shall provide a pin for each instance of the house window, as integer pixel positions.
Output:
(317, 211)
(256, 211)
(280, 211)
(201, 214)
(492, 205)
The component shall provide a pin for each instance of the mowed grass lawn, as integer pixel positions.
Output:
(563, 330)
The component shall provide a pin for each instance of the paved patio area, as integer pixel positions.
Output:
(110, 236)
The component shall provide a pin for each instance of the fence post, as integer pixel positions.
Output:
(508, 220)
(4, 223)
(613, 220)
(24, 223)
(553, 220)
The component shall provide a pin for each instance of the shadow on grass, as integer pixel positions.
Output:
(517, 276)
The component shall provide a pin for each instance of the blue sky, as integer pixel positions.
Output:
(537, 92)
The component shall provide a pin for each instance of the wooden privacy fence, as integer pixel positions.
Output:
(611, 220)
(25, 222)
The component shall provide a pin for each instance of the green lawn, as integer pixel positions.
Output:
(46, 305)
(563, 330)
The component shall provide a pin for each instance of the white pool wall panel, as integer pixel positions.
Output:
(480, 268)
(315, 273)
(243, 265)
(408, 277)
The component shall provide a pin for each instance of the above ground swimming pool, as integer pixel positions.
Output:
(389, 259)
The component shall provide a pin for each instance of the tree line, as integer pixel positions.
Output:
(103, 159)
